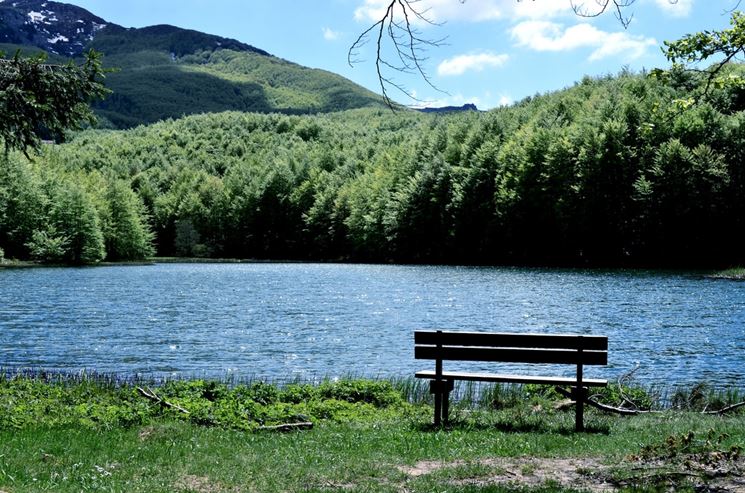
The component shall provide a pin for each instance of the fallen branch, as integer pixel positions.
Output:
(305, 425)
(622, 380)
(605, 407)
(726, 409)
(563, 405)
(150, 394)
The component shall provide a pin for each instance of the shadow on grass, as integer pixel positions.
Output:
(517, 426)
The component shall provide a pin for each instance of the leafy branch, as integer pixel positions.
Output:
(39, 99)
(687, 53)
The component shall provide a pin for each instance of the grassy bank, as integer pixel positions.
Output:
(736, 273)
(65, 435)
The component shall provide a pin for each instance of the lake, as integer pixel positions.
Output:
(283, 321)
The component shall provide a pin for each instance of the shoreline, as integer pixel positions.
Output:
(733, 274)
(736, 273)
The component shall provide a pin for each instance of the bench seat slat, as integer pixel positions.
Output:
(490, 377)
(511, 355)
(509, 339)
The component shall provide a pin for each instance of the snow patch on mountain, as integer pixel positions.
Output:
(57, 39)
(36, 17)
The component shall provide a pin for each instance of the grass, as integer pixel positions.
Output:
(737, 273)
(367, 437)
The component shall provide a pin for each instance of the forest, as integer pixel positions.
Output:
(613, 171)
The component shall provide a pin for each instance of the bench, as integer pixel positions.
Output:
(579, 350)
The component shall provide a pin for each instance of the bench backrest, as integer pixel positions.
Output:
(511, 348)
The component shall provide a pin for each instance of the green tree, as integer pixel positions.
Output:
(74, 217)
(38, 99)
(48, 246)
(126, 232)
(22, 205)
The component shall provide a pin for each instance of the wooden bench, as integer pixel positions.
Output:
(579, 350)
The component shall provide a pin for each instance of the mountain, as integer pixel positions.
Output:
(167, 72)
(54, 27)
(449, 109)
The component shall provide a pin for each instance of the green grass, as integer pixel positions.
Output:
(733, 273)
(366, 437)
(365, 456)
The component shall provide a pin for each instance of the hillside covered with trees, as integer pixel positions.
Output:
(164, 71)
(612, 171)
(151, 85)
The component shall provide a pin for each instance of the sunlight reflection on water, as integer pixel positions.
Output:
(295, 320)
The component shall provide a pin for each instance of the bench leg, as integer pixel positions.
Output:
(441, 390)
(579, 399)
(445, 406)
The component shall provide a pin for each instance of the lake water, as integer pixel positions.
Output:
(306, 321)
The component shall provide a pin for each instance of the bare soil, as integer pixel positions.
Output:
(597, 476)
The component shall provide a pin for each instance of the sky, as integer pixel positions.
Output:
(495, 52)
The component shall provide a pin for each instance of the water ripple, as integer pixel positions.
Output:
(305, 320)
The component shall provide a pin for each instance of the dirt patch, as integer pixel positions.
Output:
(146, 433)
(705, 472)
(524, 471)
(591, 474)
(201, 484)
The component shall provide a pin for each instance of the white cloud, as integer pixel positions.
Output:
(676, 8)
(330, 35)
(439, 10)
(549, 36)
(463, 63)
(505, 100)
(471, 10)
(540, 9)
(631, 47)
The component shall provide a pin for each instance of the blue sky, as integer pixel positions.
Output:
(497, 51)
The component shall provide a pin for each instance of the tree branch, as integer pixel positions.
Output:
(693, 49)
(304, 425)
(396, 30)
(604, 407)
(726, 409)
(150, 394)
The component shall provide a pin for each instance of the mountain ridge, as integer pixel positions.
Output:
(55, 27)
(69, 30)
(165, 71)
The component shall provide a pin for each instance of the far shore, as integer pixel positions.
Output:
(734, 273)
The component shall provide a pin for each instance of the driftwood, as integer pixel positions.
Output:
(150, 394)
(564, 405)
(624, 379)
(631, 412)
(605, 407)
(726, 409)
(305, 425)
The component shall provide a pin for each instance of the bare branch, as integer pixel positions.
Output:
(726, 409)
(399, 46)
(735, 7)
(150, 394)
